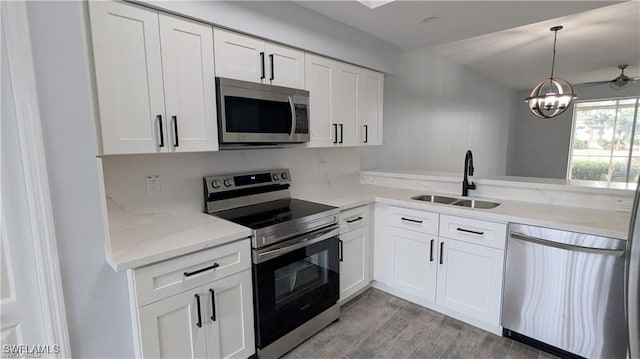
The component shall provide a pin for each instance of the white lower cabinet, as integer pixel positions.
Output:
(414, 266)
(210, 320)
(470, 279)
(459, 277)
(355, 252)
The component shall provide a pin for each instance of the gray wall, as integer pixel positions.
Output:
(540, 148)
(434, 110)
(289, 23)
(96, 297)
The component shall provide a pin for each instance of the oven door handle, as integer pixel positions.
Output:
(272, 253)
(293, 117)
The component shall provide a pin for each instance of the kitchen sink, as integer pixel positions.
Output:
(469, 203)
(474, 203)
(435, 199)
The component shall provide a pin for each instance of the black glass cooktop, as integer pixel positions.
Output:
(269, 213)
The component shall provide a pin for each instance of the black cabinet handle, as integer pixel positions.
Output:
(441, 250)
(189, 274)
(213, 304)
(159, 118)
(199, 323)
(431, 251)
(341, 258)
(262, 65)
(341, 133)
(335, 133)
(273, 76)
(366, 133)
(176, 142)
(354, 220)
(469, 231)
(411, 220)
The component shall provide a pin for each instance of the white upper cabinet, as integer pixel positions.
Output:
(345, 103)
(126, 46)
(155, 80)
(246, 58)
(347, 109)
(189, 84)
(286, 66)
(371, 110)
(239, 57)
(320, 76)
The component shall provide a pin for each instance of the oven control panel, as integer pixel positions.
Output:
(231, 182)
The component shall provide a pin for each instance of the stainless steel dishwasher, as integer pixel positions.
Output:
(564, 292)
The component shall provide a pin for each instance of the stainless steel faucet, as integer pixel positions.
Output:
(468, 171)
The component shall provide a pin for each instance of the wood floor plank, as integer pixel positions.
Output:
(378, 325)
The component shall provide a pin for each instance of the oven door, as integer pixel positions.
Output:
(293, 282)
(251, 113)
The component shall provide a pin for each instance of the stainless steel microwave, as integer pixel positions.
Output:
(258, 114)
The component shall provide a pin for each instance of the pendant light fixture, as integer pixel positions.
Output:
(552, 96)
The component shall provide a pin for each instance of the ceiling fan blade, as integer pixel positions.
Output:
(595, 83)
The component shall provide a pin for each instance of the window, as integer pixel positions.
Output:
(605, 146)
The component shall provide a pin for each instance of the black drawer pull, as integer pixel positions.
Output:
(335, 133)
(366, 133)
(341, 133)
(176, 142)
(189, 274)
(341, 258)
(411, 220)
(273, 76)
(354, 220)
(213, 304)
(441, 250)
(199, 323)
(262, 65)
(431, 251)
(469, 231)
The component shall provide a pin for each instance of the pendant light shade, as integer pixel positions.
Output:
(553, 95)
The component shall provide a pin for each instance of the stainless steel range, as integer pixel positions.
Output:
(296, 253)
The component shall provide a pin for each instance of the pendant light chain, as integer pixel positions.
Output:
(553, 62)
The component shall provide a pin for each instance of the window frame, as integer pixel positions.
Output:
(636, 114)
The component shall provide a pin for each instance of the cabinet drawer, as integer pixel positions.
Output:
(354, 218)
(414, 220)
(161, 280)
(489, 234)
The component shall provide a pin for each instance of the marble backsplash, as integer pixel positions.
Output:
(181, 174)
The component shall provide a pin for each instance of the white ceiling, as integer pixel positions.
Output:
(508, 41)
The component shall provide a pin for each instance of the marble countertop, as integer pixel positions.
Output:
(141, 239)
(583, 220)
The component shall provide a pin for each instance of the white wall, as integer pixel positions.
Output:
(96, 297)
(181, 174)
(434, 110)
(540, 148)
(289, 23)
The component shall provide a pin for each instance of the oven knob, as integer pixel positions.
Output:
(215, 184)
(227, 182)
(276, 176)
(284, 175)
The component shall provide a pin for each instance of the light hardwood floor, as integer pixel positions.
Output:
(379, 325)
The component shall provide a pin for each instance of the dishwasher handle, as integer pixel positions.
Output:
(568, 247)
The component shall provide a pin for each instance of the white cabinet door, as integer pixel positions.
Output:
(414, 263)
(169, 328)
(232, 330)
(347, 105)
(286, 66)
(189, 79)
(371, 93)
(126, 48)
(470, 279)
(354, 268)
(239, 56)
(320, 75)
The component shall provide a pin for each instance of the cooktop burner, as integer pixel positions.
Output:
(267, 214)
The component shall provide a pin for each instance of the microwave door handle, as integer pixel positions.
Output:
(293, 117)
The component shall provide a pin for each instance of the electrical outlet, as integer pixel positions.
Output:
(624, 205)
(153, 186)
(367, 180)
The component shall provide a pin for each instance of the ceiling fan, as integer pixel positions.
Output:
(619, 83)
